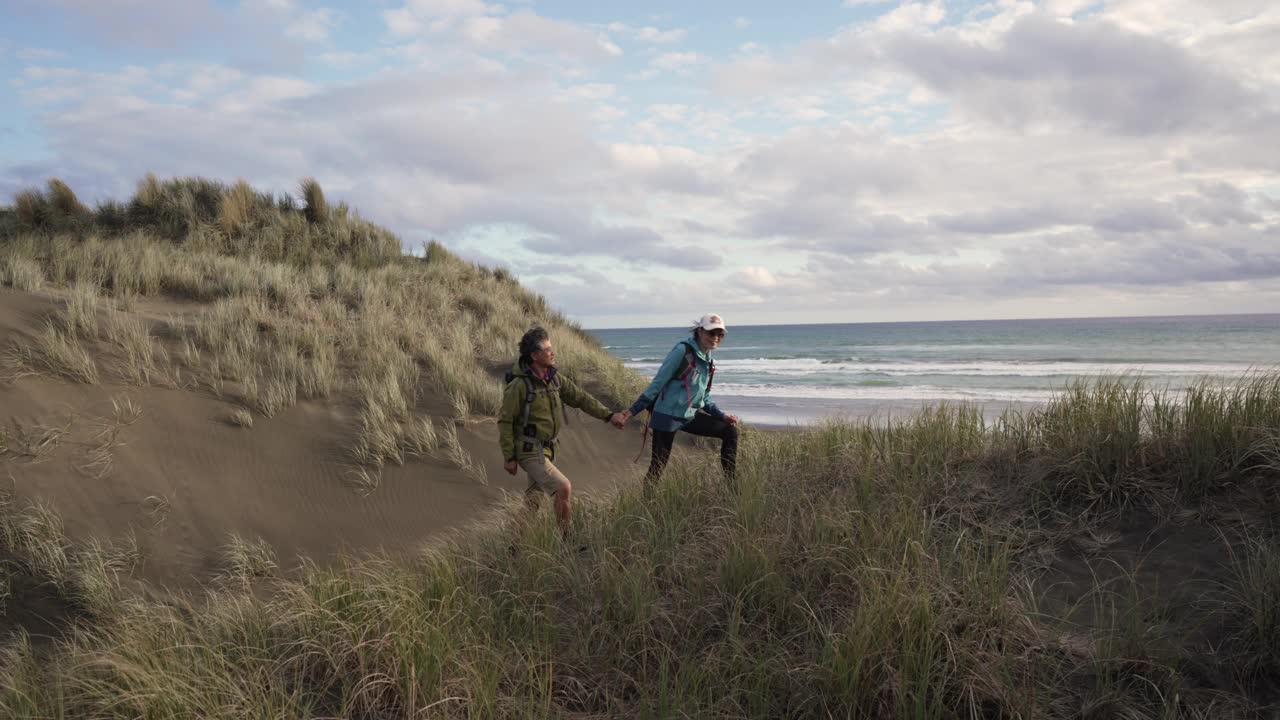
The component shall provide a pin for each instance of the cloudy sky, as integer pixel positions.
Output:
(851, 160)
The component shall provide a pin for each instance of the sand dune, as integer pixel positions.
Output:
(183, 477)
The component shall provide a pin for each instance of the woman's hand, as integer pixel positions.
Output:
(731, 419)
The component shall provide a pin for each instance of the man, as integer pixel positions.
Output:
(533, 415)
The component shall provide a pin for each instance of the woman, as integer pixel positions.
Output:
(682, 388)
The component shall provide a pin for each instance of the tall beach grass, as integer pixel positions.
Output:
(859, 570)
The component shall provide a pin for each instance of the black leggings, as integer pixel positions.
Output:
(705, 426)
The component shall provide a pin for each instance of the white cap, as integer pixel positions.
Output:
(711, 321)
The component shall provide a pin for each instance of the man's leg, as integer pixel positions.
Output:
(532, 501)
(548, 478)
(704, 425)
(661, 453)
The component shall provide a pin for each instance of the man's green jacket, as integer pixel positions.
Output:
(546, 414)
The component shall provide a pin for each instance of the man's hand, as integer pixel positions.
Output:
(619, 419)
(510, 466)
(731, 419)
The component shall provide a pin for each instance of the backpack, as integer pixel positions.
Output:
(687, 365)
(684, 369)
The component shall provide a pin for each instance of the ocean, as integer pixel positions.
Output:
(787, 374)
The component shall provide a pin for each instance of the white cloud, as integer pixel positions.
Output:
(402, 22)
(39, 54)
(528, 30)
(756, 278)
(669, 112)
(1044, 73)
(910, 16)
(346, 60)
(594, 91)
(447, 8)
(677, 60)
(660, 37)
(313, 25)
(741, 23)
(486, 28)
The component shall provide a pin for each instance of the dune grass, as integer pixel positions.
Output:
(860, 570)
(300, 303)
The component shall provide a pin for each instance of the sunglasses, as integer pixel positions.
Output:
(716, 333)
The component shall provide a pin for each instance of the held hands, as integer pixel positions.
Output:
(619, 419)
(510, 467)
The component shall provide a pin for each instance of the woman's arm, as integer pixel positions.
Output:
(660, 380)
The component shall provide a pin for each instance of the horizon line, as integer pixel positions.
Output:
(971, 320)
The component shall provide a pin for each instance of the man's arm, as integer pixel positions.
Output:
(511, 398)
(574, 396)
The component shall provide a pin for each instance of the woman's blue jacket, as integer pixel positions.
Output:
(675, 400)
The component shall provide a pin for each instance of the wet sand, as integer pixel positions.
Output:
(787, 412)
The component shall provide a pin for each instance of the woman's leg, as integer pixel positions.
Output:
(661, 453)
(704, 425)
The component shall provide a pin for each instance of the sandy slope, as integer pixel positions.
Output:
(185, 478)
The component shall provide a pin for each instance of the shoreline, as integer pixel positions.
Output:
(784, 413)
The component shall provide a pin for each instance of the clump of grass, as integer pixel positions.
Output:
(34, 441)
(30, 207)
(379, 438)
(99, 458)
(451, 447)
(363, 479)
(35, 536)
(461, 406)
(124, 411)
(57, 209)
(156, 508)
(236, 209)
(246, 560)
(6, 588)
(53, 352)
(240, 417)
(94, 581)
(80, 316)
(63, 200)
(144, 361)
(316, 208)
(278, 394)
(422, 438)
(21, 273)
(1257, 595)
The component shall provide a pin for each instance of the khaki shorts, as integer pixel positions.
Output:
(544, 476)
